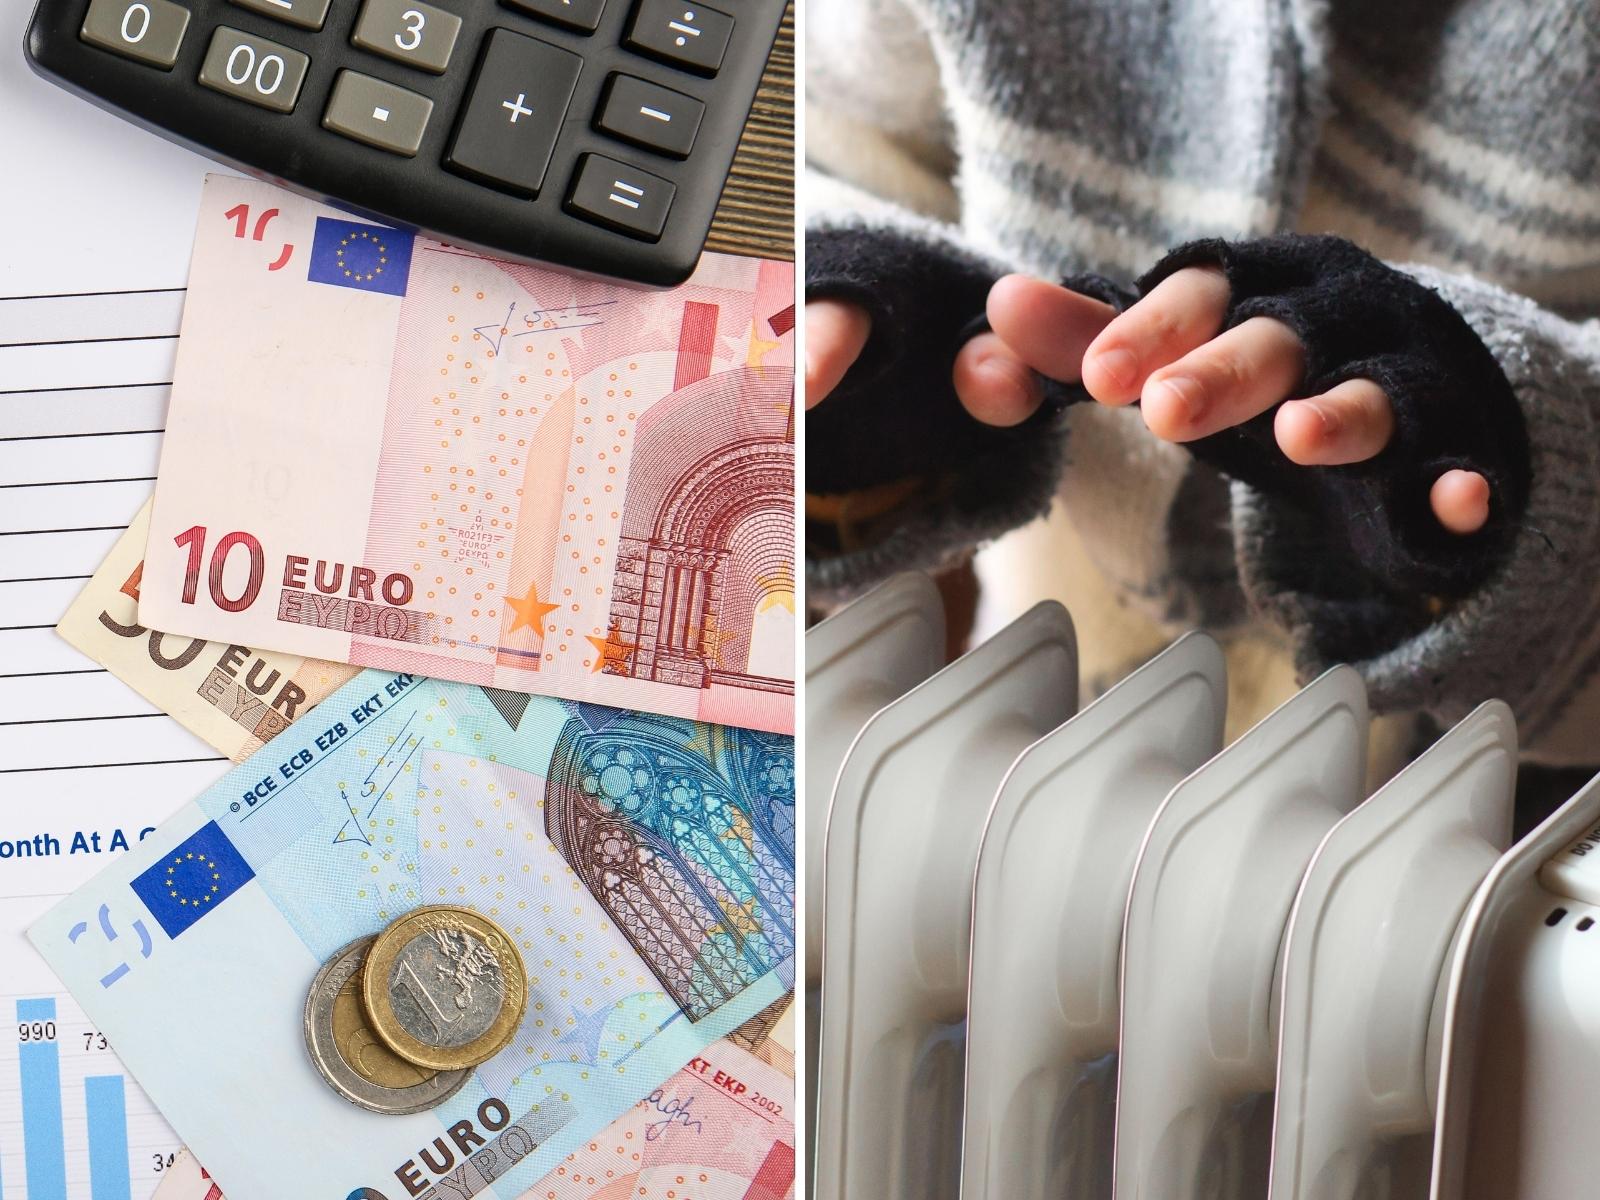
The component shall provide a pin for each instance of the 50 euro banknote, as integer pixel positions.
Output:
(231, 696)
(722, 1128)
(643, 864)
(390, 452)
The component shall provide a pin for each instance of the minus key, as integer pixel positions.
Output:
(649, 115)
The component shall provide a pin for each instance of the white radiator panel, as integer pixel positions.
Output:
(1365, 964)
(1052, 878)
(1110, 960)
(1210, 901)
(907, 814)
(862, 658)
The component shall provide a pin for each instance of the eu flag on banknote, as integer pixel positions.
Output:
(200, 873)
(370, 258)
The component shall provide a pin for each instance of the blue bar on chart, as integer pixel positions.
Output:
(44, 1153)
(108, 1138)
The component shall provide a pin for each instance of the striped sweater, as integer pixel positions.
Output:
(951, 141)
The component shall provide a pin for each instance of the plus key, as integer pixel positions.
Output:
(514, 112)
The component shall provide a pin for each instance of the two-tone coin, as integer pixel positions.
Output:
(354, 1061)
(444, 987)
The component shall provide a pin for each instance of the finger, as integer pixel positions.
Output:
(994, 384)
(1346, 424)
(835, 333)
(1046, 326)
(1460, 500)
(1237, 375)
(1181, 313)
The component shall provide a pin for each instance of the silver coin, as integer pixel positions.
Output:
(351, 1058)
(446, 987)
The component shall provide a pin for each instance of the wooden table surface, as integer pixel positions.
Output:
(756, 213)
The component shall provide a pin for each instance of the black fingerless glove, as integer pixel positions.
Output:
(898, 474)
(1453, 408)
(895, 415)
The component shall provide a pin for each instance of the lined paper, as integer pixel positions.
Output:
(82, 403)
(77, 477)
(98, 220)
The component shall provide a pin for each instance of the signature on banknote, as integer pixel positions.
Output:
(540, 320)
(674, 1110)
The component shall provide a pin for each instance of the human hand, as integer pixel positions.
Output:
(1038, 327)
(836, 333)
(1193, 379)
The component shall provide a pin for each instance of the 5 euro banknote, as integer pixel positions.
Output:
(643, 864)
(386, 451)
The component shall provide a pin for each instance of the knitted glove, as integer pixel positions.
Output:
(898, 473)
(895, 414)
(1453, 408)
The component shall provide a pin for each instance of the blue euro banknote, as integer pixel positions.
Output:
(644, 866)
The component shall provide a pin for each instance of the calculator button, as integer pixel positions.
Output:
(656, 118)
(623, 197)
(682, 33)
(514, 112)
(582, 15)
(254, 69)
(147, 30)
(377, 113)
(307, 14)
(419, 35)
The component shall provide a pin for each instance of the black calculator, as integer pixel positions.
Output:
(591, 134)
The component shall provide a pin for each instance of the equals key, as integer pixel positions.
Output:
(651, 116)
(620, 196)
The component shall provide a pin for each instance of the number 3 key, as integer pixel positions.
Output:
(418, 35)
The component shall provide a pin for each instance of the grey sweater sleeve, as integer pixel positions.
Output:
(1528, 631)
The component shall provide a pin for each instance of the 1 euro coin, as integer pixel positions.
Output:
(444, 987)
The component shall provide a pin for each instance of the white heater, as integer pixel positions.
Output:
(1100, 957)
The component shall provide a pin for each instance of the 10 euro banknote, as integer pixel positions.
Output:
(231, 696)
(644, 864)
(390, 452)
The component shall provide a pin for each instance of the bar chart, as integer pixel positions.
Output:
(72, 1125)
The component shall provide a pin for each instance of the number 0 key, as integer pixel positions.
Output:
(149, 31)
